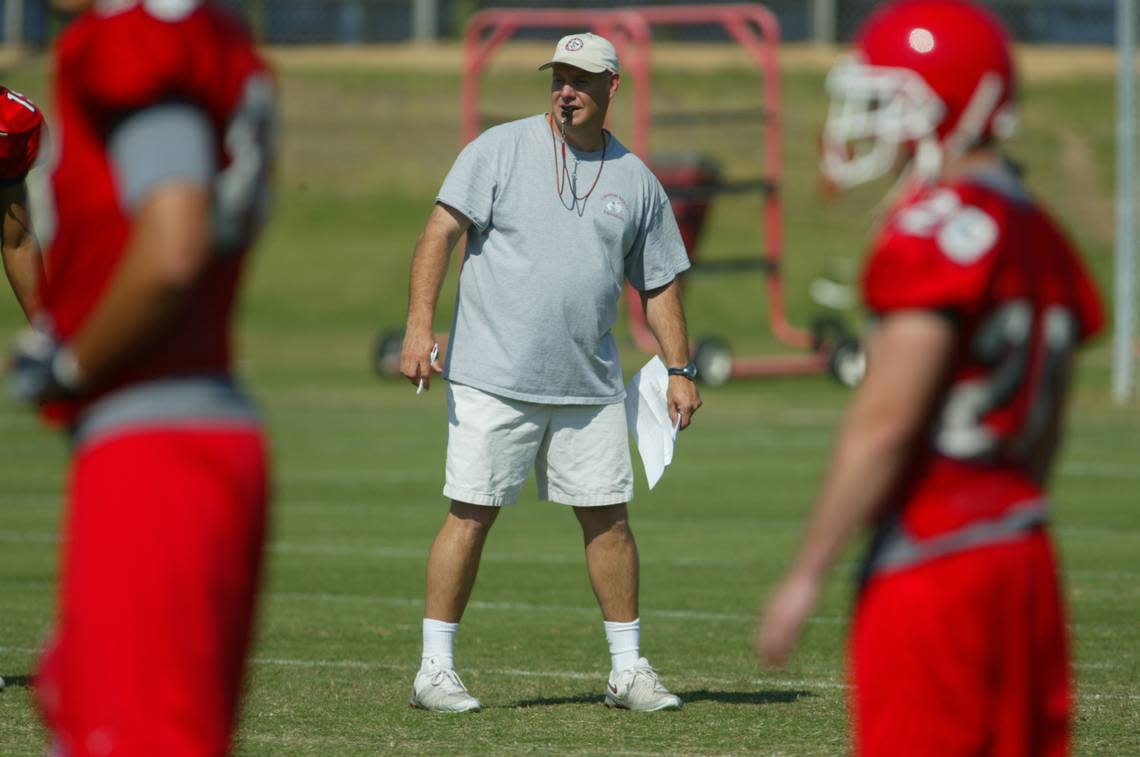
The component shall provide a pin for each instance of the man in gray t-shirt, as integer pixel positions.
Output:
(558, 215)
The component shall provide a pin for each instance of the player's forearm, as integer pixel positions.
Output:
(22, 267)
(666, 318)
(18, 247)
(908, 357)
(868, 461)
(168, 251)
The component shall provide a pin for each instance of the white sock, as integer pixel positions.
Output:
(439, 642)
(625, 643)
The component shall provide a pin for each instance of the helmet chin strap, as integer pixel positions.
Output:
(931, 156)
(975, 117)
(1005, 121)
(928, 159)
(923, 168)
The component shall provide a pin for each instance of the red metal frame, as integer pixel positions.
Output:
(756, 30)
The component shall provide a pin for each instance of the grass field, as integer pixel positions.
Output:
(359, 461)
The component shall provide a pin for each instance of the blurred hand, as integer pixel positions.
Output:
(789, 607)
(415, 358)
(683, 398)
(40, 368)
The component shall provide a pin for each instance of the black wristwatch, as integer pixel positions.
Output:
(689, 371)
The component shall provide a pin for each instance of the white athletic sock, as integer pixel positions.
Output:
(625, 643)
(439, 642)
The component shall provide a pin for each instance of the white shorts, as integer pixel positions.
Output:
(580, 453)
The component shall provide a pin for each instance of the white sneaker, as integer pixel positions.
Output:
(439, 689)
(639, 688)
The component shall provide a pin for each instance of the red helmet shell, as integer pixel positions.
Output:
(951, 44)
(20, 126)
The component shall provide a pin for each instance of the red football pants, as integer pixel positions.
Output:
(160, 569)
(964, 655)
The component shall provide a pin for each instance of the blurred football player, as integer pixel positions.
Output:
(21, 126)
(958, 644)
(158, 189)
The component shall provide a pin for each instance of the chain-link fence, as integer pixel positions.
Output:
(1056, 21)
(290, 22)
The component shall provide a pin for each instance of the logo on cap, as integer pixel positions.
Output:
(583, 50)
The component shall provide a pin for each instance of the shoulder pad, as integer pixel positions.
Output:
(961, 232)
(132, 60)
(933, 253)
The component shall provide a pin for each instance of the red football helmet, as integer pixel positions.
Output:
(934, 75)
(21, 124)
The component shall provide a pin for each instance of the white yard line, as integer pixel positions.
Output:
(383, 740)
(575, 675)
(407, 553)
(420, 553)
(1099, 470)
(686, 678)
(575, 558)
(28, 537)
(673, 614)
(24, 650)
(356, 476)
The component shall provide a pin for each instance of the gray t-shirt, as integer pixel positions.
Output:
(542, 274)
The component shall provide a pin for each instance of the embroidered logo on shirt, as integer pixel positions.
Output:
(614, 205)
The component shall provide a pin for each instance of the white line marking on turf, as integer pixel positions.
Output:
(576, 675)
(531, 607)
(386, 740)
(355, 476)
(1130, 697)
(340, 550)
(407, 553)
(1072, 468)
(295, 740)
(420, 553)
(690, 679)
(29, 537)
(1098, 470)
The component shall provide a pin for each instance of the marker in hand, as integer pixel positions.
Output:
(431, 360)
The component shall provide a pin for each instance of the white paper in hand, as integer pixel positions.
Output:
(647, 414)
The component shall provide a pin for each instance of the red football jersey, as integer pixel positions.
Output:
(982, 249)
(111, 63)
(20, 126)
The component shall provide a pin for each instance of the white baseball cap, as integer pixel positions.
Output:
(586, 51)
